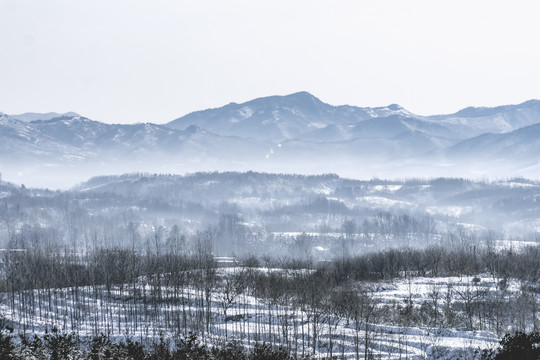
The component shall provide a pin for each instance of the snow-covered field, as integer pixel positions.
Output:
(228, 314)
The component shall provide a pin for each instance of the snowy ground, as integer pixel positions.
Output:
(124, 312)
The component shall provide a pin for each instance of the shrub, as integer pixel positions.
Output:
(517, 346)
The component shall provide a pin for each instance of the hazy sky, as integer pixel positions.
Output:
(155, 60)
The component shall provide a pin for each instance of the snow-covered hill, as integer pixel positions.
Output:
(474, 121)
(93, 140)
(279, 118)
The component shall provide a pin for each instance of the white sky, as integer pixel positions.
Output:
(127, 61)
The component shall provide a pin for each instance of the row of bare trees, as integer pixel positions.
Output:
(309, 308)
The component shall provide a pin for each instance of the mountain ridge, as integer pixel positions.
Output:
(285, 117)
(289, 133)
(31, 116)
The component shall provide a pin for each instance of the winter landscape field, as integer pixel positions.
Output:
(269, 180)
(310, 265)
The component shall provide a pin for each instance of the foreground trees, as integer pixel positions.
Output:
(56, 346)
(316, 309)
(60, 346)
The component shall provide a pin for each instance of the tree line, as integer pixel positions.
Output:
(55, 345)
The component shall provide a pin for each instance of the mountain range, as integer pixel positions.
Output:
(294, 133)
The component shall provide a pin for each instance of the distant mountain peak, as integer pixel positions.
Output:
(301, 98)
(302, 95)
(395, 107)
(63, 118)
(30, 116)
(281, 117)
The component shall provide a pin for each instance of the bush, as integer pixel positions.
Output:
(190, 348)
(7, 348)
(233, 350)
(102, 348)
(518, 346)
(61, 346)
(266, 352)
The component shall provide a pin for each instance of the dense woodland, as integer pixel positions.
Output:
(259, 214)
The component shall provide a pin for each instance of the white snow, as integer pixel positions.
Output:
(252, 315)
